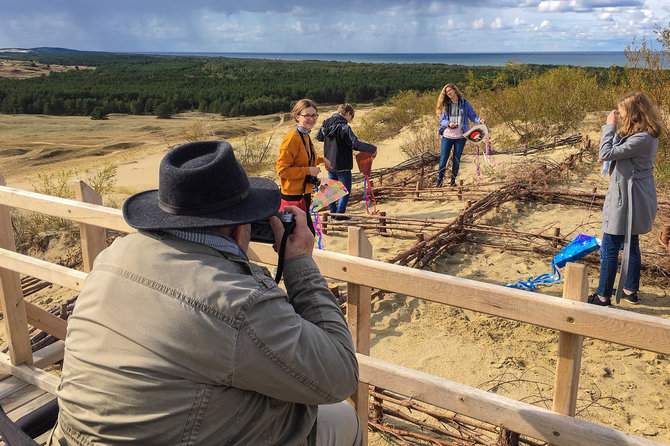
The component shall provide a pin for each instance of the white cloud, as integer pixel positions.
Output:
(297, 27)
(497, 23)
(545, 24)
(478, 24)
(552, 6)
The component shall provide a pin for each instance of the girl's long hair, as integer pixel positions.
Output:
(443, 100)
(641, 115)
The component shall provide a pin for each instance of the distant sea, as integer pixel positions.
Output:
(578, 58)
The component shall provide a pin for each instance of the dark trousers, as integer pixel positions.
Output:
(609, 263)
(340, 206)
(447, 144)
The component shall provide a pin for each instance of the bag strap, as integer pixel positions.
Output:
(282, 250)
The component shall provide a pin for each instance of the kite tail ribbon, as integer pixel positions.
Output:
(367, 186)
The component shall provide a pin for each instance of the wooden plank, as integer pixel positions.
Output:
(614, 325)
(11, 385)
(41, 269)
(91, 214)
(11, 296)
(524, 418)
(21, 398)
(32, 375)
(358, 316)
(45, 321)
(32, 405)
(569, 361)
(49, 355)
(93, 238)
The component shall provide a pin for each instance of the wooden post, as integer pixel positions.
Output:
(382, 221)
(508, 438)
(665, 236)
(324, 222)
(460, 190)
(11, 297)
(93, 238)
(417, 188)
(569, 361)
(358, 318)
(378, 411)
(557, 233)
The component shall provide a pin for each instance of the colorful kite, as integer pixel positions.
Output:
(364, 161)
(476, 135)
(328, 192)
(576, 249)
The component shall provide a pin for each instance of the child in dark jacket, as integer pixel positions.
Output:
(339, 142)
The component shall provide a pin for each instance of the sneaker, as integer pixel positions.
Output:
(632, 298)
(595, 300)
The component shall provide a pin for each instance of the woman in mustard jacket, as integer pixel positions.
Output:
(297, 161)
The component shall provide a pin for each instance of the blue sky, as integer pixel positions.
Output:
(342, 26)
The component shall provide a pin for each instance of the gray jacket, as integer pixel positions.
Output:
(175, 343)
(632, 158)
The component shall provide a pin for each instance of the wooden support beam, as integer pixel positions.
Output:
(30, 374)
(524, 418)
(93, 238)
(569, 360)
(358, 317)
(11, 297)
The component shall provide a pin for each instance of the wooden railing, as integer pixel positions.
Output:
(570, 315)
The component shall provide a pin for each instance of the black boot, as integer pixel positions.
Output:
(439, 183)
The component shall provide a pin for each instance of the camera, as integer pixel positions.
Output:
(311, 179)
(261, 231)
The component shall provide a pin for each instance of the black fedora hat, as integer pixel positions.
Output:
(201, 185)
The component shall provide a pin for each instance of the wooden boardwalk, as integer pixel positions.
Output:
(18, 398)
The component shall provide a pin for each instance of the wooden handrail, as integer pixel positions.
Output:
(514, 415)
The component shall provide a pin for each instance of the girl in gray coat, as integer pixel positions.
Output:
(630, 203)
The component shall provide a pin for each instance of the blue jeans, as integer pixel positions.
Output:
(447, 144)
(609, 263)
(340, 206)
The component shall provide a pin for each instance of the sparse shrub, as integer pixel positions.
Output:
(198, 131)
(36, 229)
(163, 111)
(104, 180)
(255, 152)
(424, 139)
(99, 113)
(647, 72)
(546, 105)
(404, 108)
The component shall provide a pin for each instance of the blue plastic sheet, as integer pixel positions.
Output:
(579, 247)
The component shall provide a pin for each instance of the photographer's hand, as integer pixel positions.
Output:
(314, 171)
(301, 240)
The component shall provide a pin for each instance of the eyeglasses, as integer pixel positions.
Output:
(314, 116)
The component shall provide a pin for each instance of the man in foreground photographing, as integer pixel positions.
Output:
(177, 338)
